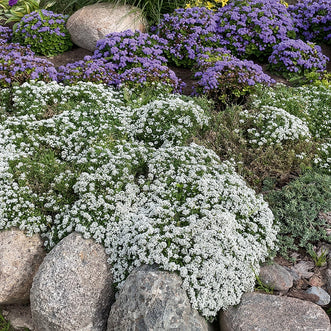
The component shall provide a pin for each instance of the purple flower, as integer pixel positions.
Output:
(12, 2)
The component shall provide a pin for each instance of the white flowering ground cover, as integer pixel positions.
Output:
(87, 158)
(306, 114)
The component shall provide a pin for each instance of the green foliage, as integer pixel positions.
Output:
(319, 259)
(44, 31)
(153, 9)
(23, 7)
(260, 286)
(230, 138)
(297, 207)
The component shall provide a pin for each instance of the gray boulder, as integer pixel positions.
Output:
(276, 277)
(273, 313)
(20, 257)
(92, 23)
(73, 287)
(324, 297)
(153, 300)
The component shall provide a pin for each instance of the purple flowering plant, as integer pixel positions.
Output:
(250, 28)
(130, 49)
(12, 2)
(148, 76)
(19, 65)
(297, 60)
(229, 81)
(187, 31)
(45, 31)
(5, 34)
(98, 71)
(312, 20)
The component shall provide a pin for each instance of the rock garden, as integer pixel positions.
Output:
(165, 165)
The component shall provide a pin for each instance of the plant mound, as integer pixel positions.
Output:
(251, 28)
(18, 65)
(68, 165)
(44, 31)
(295, 59)
(187, 32)
(5, 34)
(312, 20)
(129, 49)
(229, 80)
(298, 209)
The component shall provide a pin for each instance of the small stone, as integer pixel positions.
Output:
(276, 277)
(328, 280)
(293, 273)
(20, 257)
(275, 313)
(92, 23)
(154, 300)
(19, 317)
(72, 290)
(303, 268)
(324, 297)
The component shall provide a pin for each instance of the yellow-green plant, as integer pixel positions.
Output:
(212, 4)
(23, 7)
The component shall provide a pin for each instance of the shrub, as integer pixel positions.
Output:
(229, 81)
(296, 59)
(242, 135)
(89, 70)
(251, 28)
(271, 125)
(130, 49)
(310, 103)
(19, 65)
(187, 32)
(312, 20)
(5, 34)
(178, 207)
(45, 31)
(140, 78)
(297, 209)
(167, 121)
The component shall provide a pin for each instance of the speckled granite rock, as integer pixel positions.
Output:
(276, 276)
(153, 300)
(20, 257)
(73, 287)
(273, 313)
(92, 23)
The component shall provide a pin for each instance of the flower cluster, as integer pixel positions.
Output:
(229, 80)
(45, 31)
(296, 58)
(187, 32)
(312, 19)
(129, 49)
(251, 28)
(167, 121)
(148, 75)
(211, 5)
(18, 65)
(66, 166)
(271, 125)
(89, 70)
(5, 34)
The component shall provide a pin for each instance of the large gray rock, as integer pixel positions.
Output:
(276, 277)
(92, 23)
(273, 313)
(20, 257)
(73, 287)
(153, 300)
